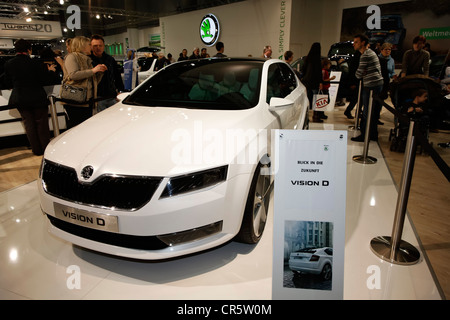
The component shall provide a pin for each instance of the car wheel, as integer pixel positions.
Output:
(326, 272)
(256, 209)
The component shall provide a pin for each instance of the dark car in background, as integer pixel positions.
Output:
(341, 50)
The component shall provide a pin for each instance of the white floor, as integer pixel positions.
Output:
(37, 265)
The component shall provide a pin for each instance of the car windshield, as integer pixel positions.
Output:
(218, 84)
(341, 50)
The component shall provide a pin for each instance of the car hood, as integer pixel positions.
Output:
(152, 141)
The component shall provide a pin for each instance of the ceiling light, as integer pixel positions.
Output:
(28, 20)
(25, 9)
(97, 16)
(61, 1)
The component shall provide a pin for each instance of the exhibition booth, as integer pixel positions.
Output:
(38, 265)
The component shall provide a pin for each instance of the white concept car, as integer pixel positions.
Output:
(182, 164)
(313, 261)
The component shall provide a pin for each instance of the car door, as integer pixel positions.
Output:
(282, 83)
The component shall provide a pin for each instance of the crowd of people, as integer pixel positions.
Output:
(374, 71)
(197, 54)
(88, 65)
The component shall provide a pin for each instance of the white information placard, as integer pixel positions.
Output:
(309, 214)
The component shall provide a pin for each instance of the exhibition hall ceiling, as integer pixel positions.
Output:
(104, 16)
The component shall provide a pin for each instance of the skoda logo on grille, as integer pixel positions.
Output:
(87, 172)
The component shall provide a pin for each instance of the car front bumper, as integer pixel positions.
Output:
(163, 228)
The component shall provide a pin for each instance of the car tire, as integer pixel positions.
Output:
(326, 272)
(256, 208)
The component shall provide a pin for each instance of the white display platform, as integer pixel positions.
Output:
(37, 265)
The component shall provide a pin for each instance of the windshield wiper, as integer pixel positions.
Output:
(134, 103)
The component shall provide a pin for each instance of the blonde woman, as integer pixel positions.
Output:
(78, 71)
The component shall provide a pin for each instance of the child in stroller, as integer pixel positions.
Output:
(414, 110)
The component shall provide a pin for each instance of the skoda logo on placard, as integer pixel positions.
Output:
(209, 29)
(87, 172)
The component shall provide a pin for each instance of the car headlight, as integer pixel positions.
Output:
(194, 181)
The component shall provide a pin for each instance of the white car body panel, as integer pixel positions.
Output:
(143, 75)
(145, 141)
(300, 261)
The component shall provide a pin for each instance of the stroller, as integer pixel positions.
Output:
(401, 94)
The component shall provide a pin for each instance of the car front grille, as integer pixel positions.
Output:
(115, 239)
(109, 191)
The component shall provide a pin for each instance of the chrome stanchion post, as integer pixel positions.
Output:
(54, 115)
(358, 110)
(394, 249)
(364, 158)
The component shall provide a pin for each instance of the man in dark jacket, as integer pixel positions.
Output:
(27, 77)
(353, 85)
(111, 83)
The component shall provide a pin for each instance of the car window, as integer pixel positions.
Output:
(345, 49)
(298, 64)
(218, 84)
(281, 81)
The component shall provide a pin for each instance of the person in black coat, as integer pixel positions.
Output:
(312, 77)
(111, 84)
(27, 77)
(353, 85)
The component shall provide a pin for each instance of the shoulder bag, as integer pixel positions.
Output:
(74, 93)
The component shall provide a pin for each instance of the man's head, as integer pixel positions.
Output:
(267, 51)
(360, 42)
(220, 47)
(288, 56)
(419, 43)
(98, 45)
(22, 46)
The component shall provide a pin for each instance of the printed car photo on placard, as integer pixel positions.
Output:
(308, 258)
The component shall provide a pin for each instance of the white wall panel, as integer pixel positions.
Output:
(246, 27)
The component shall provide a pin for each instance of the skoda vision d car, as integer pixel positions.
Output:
(182, 164)
(313, 261)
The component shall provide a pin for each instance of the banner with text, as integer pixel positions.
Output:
(34, 30)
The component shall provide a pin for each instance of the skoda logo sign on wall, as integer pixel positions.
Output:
(209, 29)
(87, 172)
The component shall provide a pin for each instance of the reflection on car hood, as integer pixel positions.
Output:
(149, 141)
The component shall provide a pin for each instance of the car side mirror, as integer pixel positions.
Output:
(122, 96)
(277, 104)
